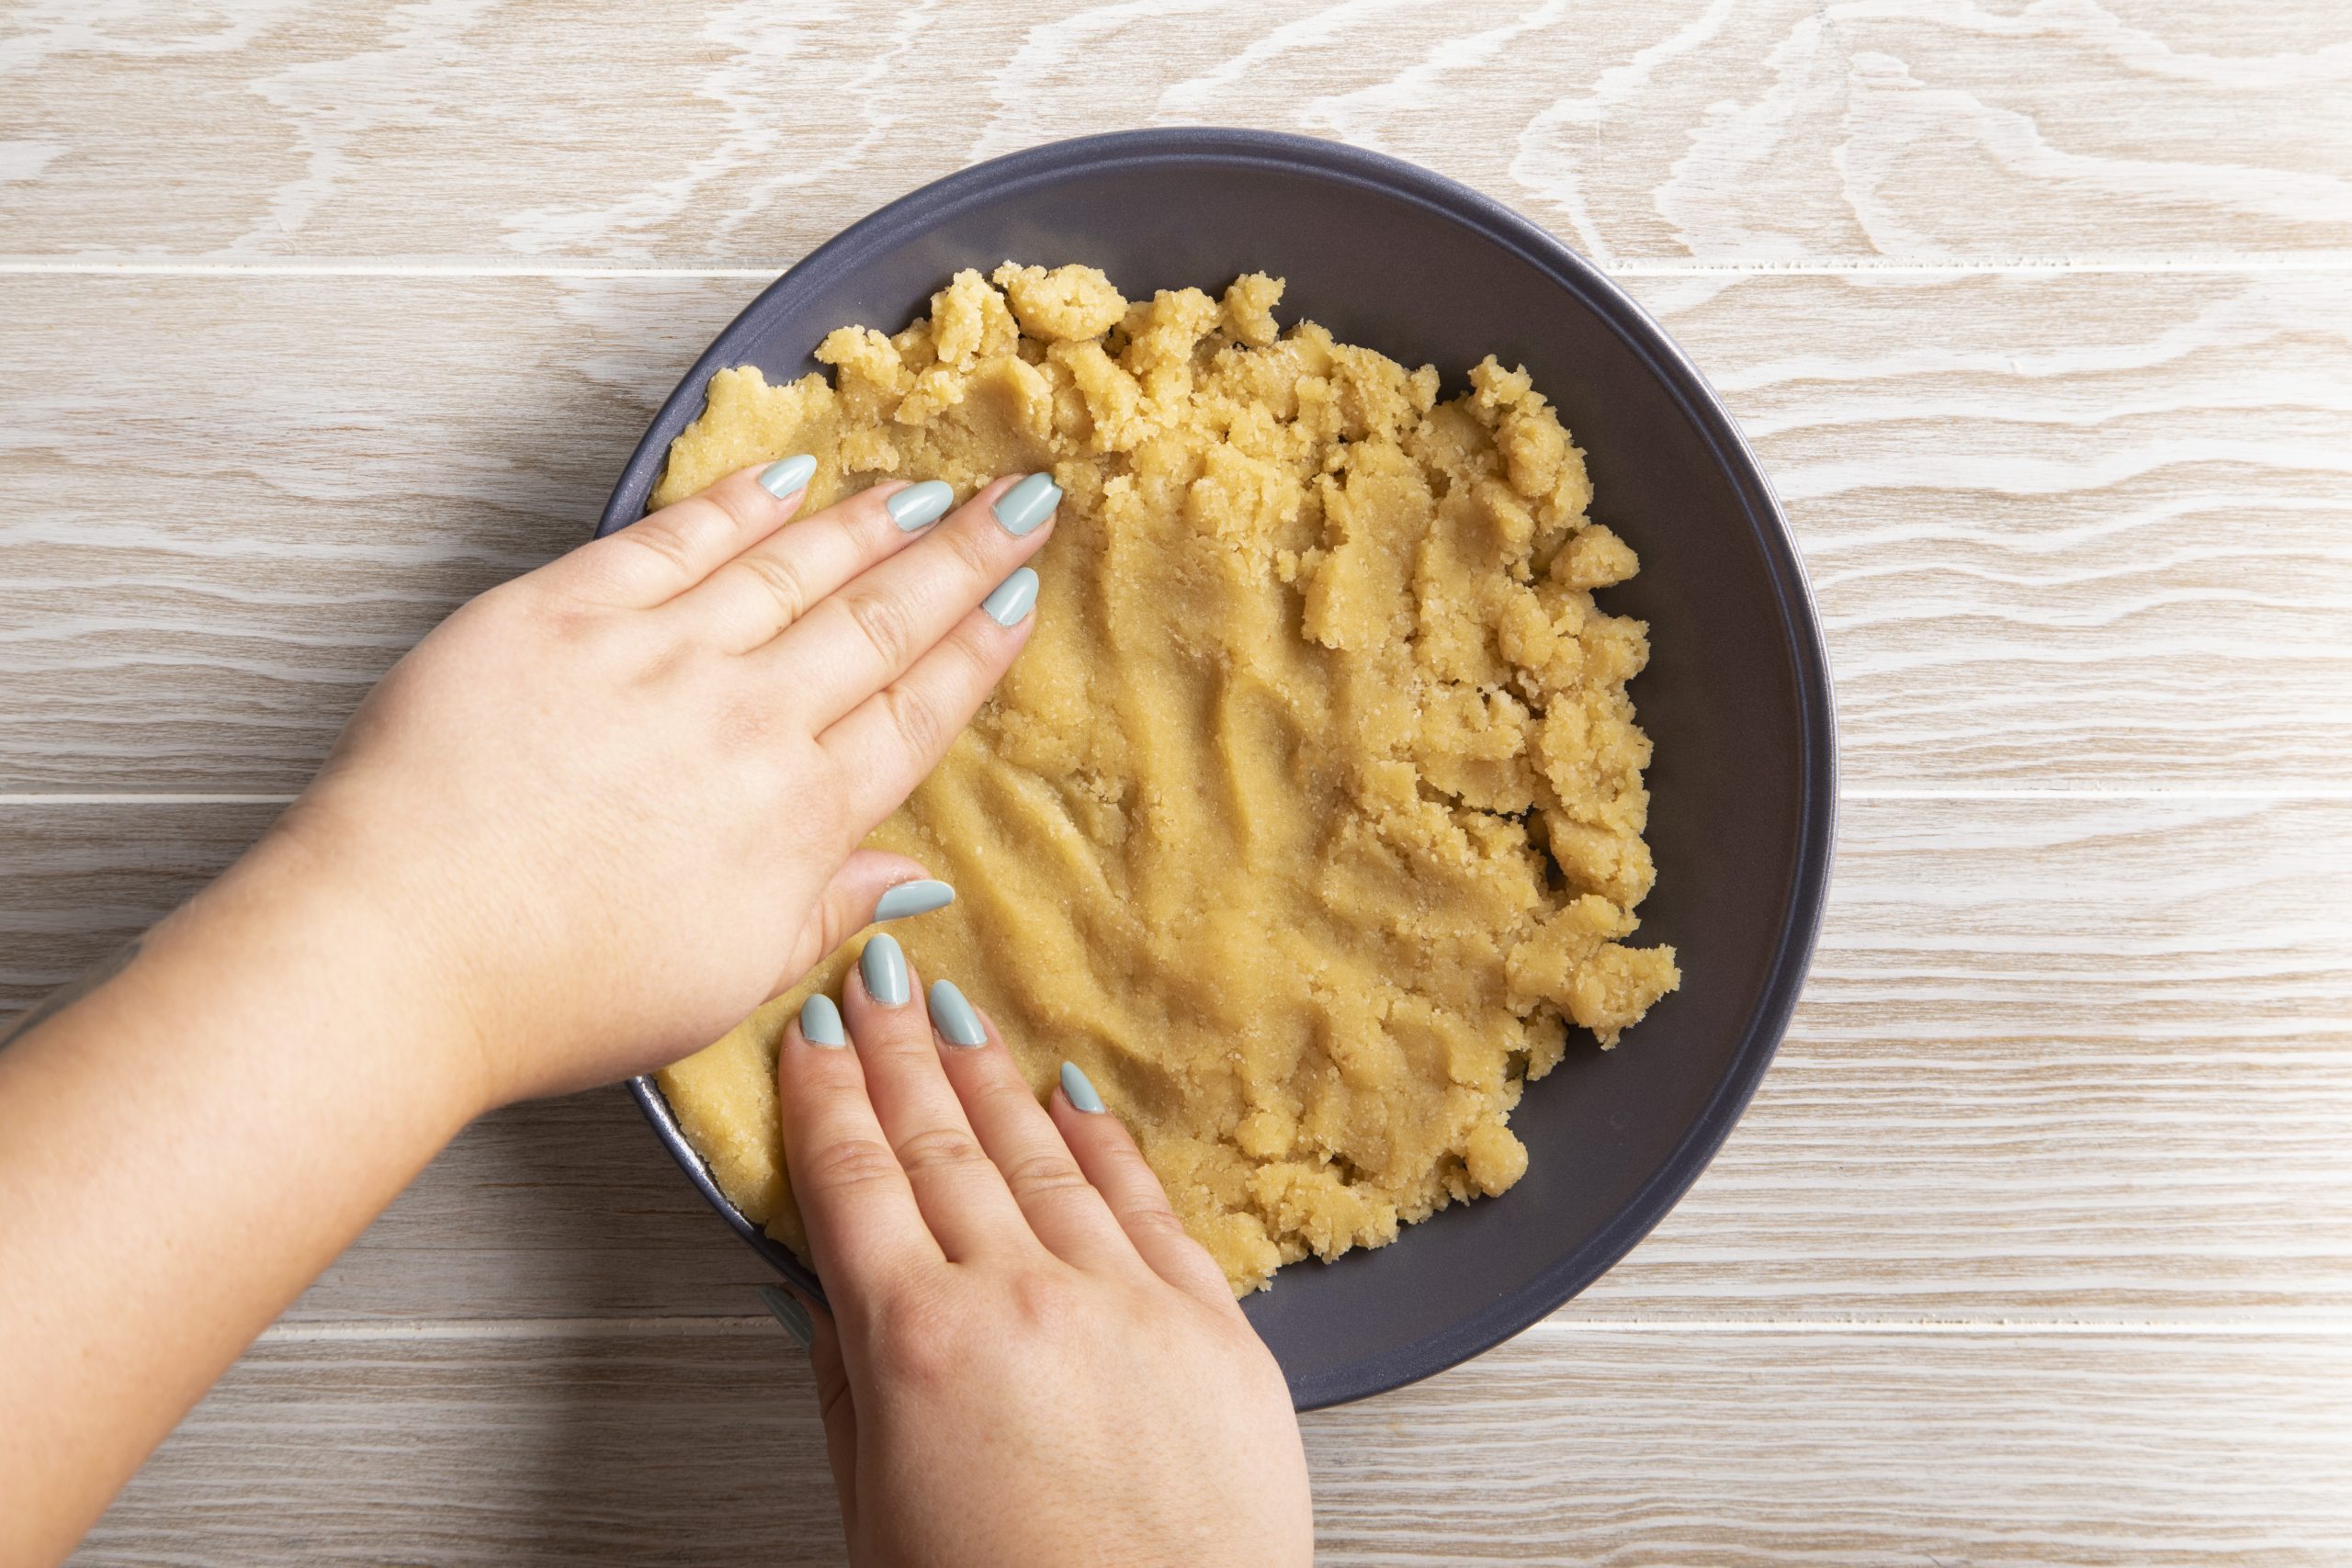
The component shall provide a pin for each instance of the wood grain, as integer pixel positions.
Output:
(258, 493)
(1914, 129)
(2107, 540)
(2035, 1247)
(2060, 1060)
(83, 880)
(1665, 1448)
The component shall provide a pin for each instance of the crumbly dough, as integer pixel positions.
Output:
(1312, 816)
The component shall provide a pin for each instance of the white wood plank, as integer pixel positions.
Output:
(2069, 530)
(2065, 1058)
(1567, 1446)
(2081, 1063)
(1761, 132)
(230, 507)
(2065, 530)
(81, 880)
(2059, 1059)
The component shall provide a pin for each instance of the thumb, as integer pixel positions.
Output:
(812, 1327)
(855, 899)
(838, 1411)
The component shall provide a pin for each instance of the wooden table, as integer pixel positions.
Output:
(2037, 1244)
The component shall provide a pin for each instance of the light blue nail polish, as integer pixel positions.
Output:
(957, 1023)
(789, 477)
(913, 898)
(1008, 604)
(883, 968)
(820, 1022)
(1027, 503)
(918, 506)
(789, 1312)
(1079, 1092)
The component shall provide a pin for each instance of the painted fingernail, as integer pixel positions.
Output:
(789, 1312)
(913, 898)
(883, 966)
(789, 477)
(1079, 1092)
(1010, 602)
(957, 1023)
(918, 506)
(820, 1022)
(1027, 503)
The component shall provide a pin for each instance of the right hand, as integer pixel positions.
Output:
(1028, 1363)
(616, 804)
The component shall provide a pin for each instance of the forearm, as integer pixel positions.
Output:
(583, 828)
(183, 1148)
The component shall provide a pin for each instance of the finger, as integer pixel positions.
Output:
(1111, 1160)
(664, 553)
(869, 887)
(850, 645)
(748, 599)
(1063, 1208)
(963, 1199)
(889, 742)
(864, 1225)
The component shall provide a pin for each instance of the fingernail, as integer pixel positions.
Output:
(1027, 503)
(789, 477)
(1079, 1092)
(884, 969)
(913, 898)
(1008, 604)
(956, 1020)
(789, 1312)
(820, 1022)
(918, 506)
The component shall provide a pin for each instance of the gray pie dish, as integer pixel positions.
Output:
(1737, 697)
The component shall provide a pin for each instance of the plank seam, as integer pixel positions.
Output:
(2278, 792)
(2324, 262)
(762, 1325)
(38, 797)
(2284, 791)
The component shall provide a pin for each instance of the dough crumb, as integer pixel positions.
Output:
(1494, 1158)
(1068, 303)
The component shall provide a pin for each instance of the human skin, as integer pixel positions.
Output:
(589, 822)
(1015, 1303)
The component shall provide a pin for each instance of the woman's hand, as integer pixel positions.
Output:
(598, 816)
(618, 801)
(1027, 1360)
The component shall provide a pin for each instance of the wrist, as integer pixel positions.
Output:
(305, 928)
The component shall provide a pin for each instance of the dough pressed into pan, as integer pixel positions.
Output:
(1310, 821)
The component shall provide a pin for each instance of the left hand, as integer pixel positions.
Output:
(1026, 1359)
